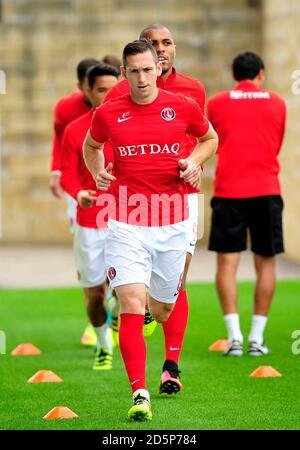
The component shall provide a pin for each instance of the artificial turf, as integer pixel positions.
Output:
(217, 391)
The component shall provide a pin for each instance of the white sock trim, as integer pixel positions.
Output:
(257, 328)
(232, 322)
(143, 392)
(104, 338)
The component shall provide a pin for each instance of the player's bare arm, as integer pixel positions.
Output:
(205, 149)
(95, 161)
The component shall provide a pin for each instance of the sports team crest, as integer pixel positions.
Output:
(111, 273)
(168, 114)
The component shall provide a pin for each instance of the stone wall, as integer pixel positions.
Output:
(41, 42)
(281, 50)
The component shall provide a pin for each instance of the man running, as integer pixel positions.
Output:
(173, 81)
(89, 240)
(146, 245)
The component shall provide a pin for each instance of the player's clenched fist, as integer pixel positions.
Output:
(86, 198)
(190, 171)
(105, 177)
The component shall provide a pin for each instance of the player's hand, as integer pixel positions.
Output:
(105, 177)
(86, 198)
(55, 186)
(190, 172)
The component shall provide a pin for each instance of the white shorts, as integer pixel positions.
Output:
(71, 212)
(193, 222)
(154, 256)
(89, 255)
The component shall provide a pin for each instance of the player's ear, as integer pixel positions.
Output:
(159, 68)
(261, 76)
(79, 86)
(123, 72)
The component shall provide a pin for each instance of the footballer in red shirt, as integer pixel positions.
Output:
(66, 110)
(173, 81)
(146, 245)
(89, 240)
(250, 122)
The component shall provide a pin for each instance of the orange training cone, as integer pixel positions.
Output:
(219, 346)
(44, 376)
(26, 349)
(60, 412)
(265, 372)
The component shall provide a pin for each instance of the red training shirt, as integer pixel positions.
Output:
(250, 123)
(148, 141)
(75, 175)
(178, 84)
(66, 110)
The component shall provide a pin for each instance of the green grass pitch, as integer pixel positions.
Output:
(217, 391)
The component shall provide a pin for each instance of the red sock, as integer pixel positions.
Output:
(174, 327)
(133, 349)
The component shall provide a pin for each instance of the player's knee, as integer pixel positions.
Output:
(162, 313)
(227, 264)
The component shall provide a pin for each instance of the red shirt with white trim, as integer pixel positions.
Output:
(250, 123)
(66, 110)
(148, 141)
(178, 84)
(75, 175)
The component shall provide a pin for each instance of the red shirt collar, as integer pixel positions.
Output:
(171, 78)
(246, 85)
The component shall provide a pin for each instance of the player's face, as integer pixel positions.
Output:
(101, 86)
(141, 72)
(164, 45)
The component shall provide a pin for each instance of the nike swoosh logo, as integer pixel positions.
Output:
(172, 349)
(123, 120)
(135, 382)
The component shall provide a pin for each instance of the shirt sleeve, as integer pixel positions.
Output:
(201, 97)
(197, 124)
(119, 89)
(98, 126)
(55, 157)
(283, 124)
(70, 159)
(56, 143)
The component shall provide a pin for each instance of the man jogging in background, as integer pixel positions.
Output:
(89, 241)
(173, 81)
(66, 110)
(250, 123)
(146, 246)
